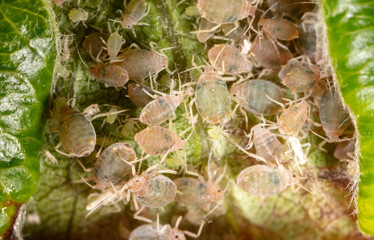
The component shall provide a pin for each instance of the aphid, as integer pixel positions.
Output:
(157, 140)
(334, 117)
(268, 54)
(299, 76)
(278, 28)
(66, 50)
(113, 45)
(139, 94)
(267, 145)
(77, 134)
(293, 118)
(111, 167)
(219, 12)
(291, 8)
(204, 25)
(141, 63)
(261, 180)
(228, 59)
(160, 109)
(213, 101)
(112, 75)
(129, 127)
(135, 11)
(345, 150)
(308, 35)
(258, 96)
(95, 44)
(150, 232)
(78, 15)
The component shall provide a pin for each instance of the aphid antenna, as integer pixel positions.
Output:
(108, 114)
(56, 148)
(80, 57)
(207, 30)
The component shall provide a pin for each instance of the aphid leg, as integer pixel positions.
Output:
(207, 30)
(195, 235)
(180, 2)
(245, 151)
(320, 146)
(140, 218)
(108, 114)
(83, 167)
(158, 222)
(61, 152)
(101, 147)
(244, 113)
(210, 212)
(276, 102)
(50, 156)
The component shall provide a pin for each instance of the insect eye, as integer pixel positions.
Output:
(219, 191)
(234, 95)
(294, 175)
(176, 236)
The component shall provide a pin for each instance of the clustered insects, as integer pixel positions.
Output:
(262, 57)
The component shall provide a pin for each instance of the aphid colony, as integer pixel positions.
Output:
(267, 68)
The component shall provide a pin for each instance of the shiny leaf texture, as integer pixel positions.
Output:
(27, 55)
(351, 44)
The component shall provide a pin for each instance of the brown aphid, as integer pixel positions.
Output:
(152, 190)
(261, 180)
(266, 143)
(258, 96)
(161, 109)
(279, 28)
(292, 8)
(293, 118)
(111, 167)
(268, 54)
(345, 150)
(141, 63)
(298, 76)
(112, 75)
(228, 59)
(77, 134)
(158, 140)
(138, 94)
(334, 116)
(224, 11)
(95, 43)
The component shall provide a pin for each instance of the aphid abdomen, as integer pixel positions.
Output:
(94, 43)
(266, 144)
(293, 118)
(111, 168)
(334, 117)
(300, 79)
(213, 101)
(156, 140)
(228, 59)
(280, 29)
(157, 192)
(268, 54)
(191, 191)
(258, 96)
(77, 134)
(111, 75)
(261, 180)
(137, 94)
(157, 111)
(142, 63)
(223, 11)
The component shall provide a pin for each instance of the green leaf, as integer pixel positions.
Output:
(351, 45)
(27, 55)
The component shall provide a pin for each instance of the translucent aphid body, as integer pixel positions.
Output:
(293, 118)
(137, 94)
(268, 54)
(197, 192)
(213, 101)
(142, 63)
(157, 140)
(267, 145)
(261, 180)
(112, 75)
(111, 168)
(228, 59)
(77, 134)
(226, 11)
(161, 109)
(149, 232)
(334, 117)
(94, 43)
(135, 11)
(258, 96)
(152, 190)
(114, 44)
(281, 29)
(299, 77)
(78, 15)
